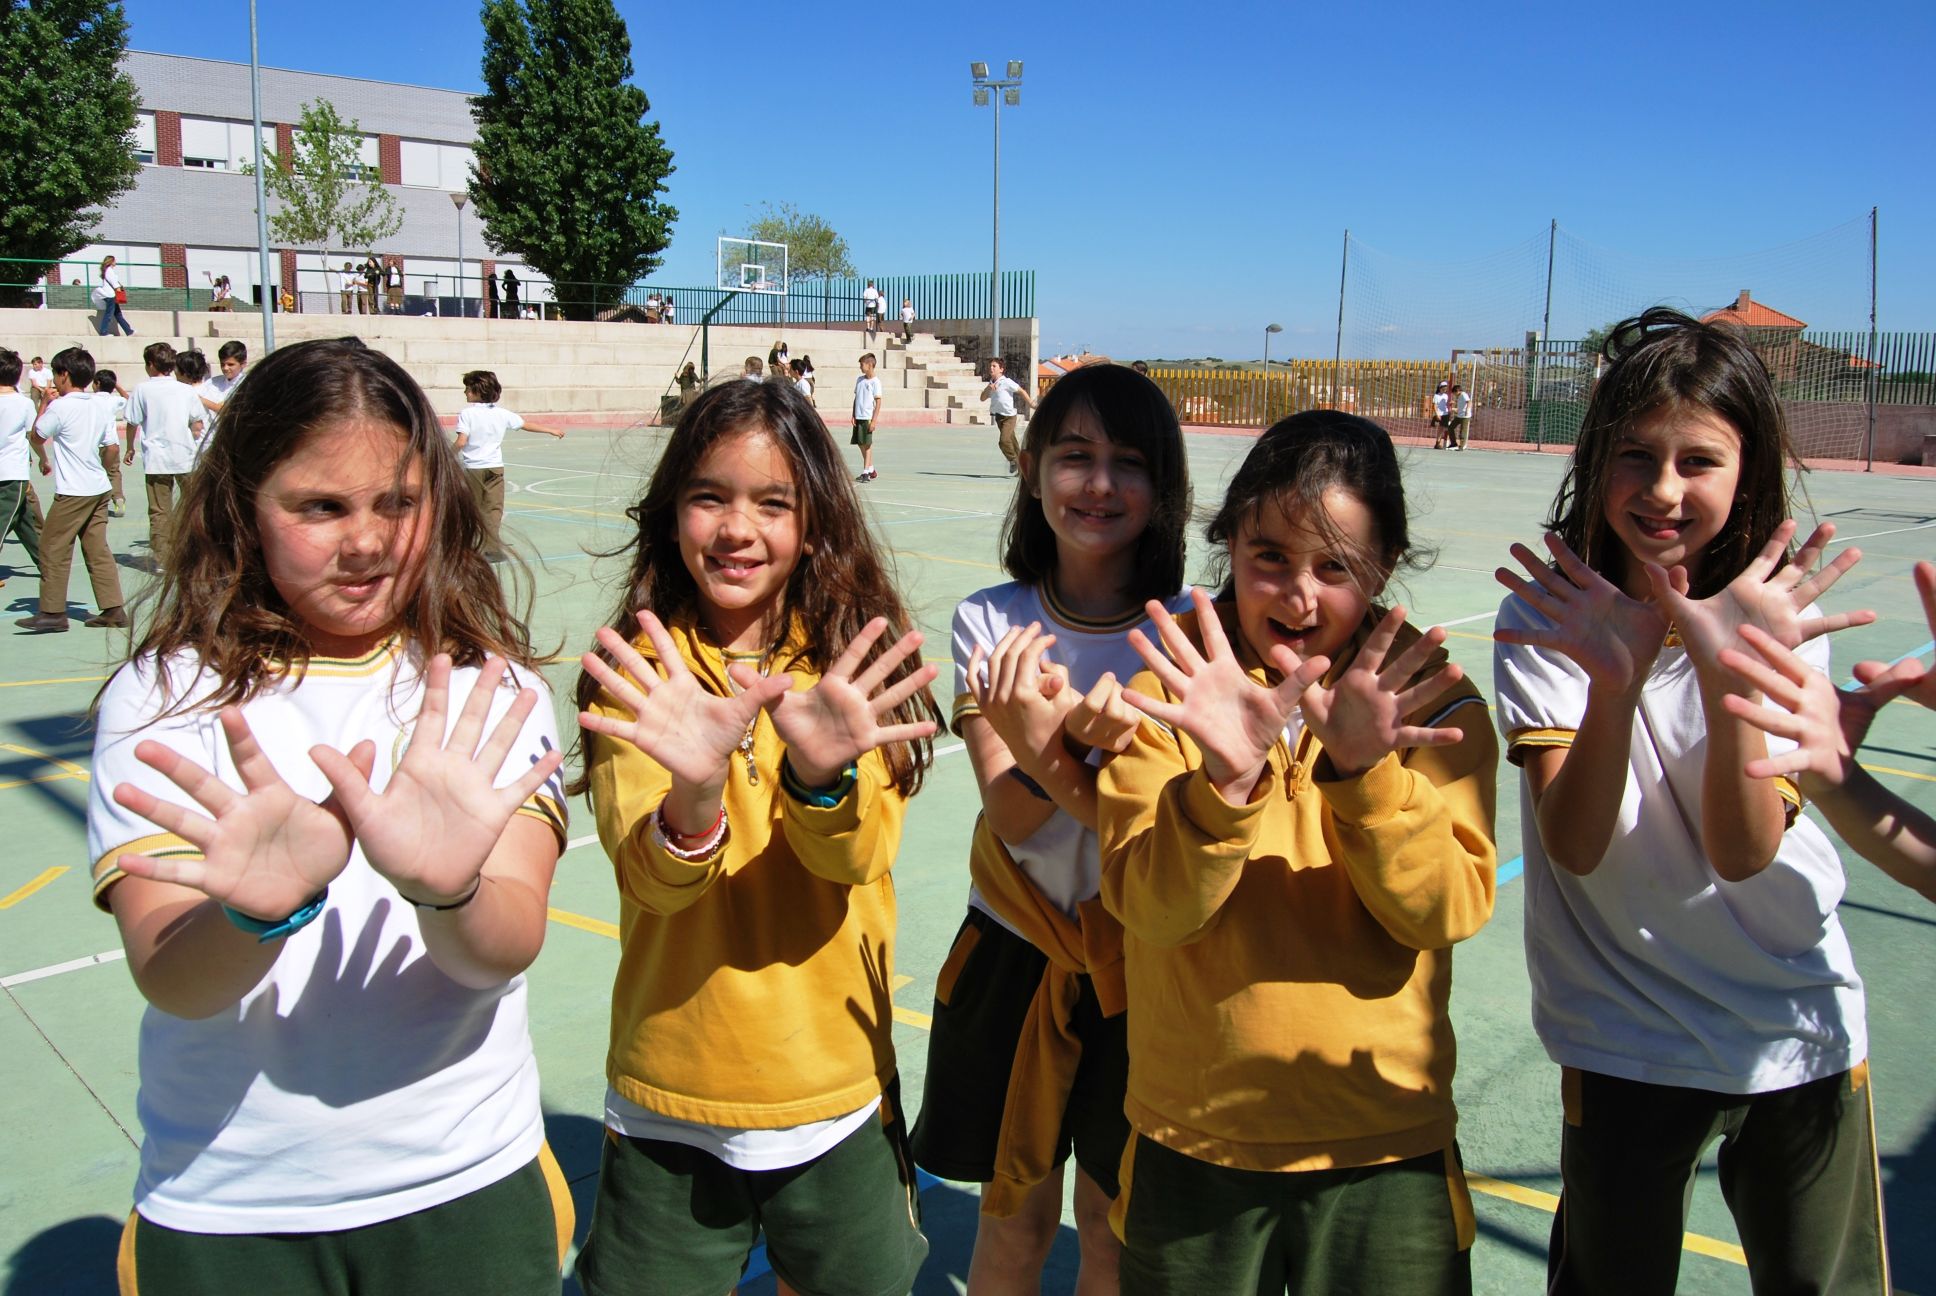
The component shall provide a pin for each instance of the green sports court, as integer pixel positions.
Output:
(68, 1126)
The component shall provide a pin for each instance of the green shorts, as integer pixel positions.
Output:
(982, 997)
(1190, 1226)
(508, 1239)
(671, 1220)
(863, 433)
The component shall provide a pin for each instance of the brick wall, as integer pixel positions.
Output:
(168, 148)
(174, 265)
(389, 158)
(286, 154)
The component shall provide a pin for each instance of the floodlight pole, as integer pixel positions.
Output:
(458, 200)
(994, 91)
(1265, 410)
(261, 194)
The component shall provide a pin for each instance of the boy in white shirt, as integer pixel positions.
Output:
(1002, 393)
(867, 398)
(170, 416)
(870, 311)
(1441, 416)
(40, 383)
(70, 427)
(107, 389)
(19, 510)
(480, 447)
(907, 320)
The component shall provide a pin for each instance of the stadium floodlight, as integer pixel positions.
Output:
(1010, 89)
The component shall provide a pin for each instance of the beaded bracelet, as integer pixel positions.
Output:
(715, 839)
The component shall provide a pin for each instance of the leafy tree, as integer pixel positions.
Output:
(814, 249)
(322, 202)
(1595, 341)
(66, 129)
(568, 169)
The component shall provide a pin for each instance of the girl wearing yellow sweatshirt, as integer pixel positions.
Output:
(750, 746)
(1294, 840)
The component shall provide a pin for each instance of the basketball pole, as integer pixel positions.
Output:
(1871, 383)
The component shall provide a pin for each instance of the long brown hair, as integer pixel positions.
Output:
(1662, 359)
(838, 585)
(216, 599)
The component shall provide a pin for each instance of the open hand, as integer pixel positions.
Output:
(433, 826)
(1023, 696)
(1360, 718)
(1769, 594)
(1610, 636)
(675, 720)
(1104, 719)
(1909, 677)
(1233, 719)
(828, 727)
(267, 851)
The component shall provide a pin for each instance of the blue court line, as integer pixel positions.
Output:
(756, 1265)
(1511, 869)
(1855, 683)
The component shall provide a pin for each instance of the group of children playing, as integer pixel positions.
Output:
(1228, 842)
(83, 426)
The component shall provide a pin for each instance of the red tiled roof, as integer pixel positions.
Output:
(1752, 314)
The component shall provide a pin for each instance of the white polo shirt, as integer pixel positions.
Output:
(867, 394)
(169, 414)
(16, 416)
(1001, 401)
(71, 425)
(483, 427)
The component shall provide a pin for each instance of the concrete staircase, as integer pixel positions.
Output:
(617, 373)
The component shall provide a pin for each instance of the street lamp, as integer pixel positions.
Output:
(458, 200)
(997, 91)
(1268, 330)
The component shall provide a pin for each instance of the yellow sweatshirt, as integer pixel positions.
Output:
(1288, 959)
(752, 989)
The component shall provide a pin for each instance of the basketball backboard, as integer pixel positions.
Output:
(751, 266)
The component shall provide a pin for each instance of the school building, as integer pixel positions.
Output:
(191, 216)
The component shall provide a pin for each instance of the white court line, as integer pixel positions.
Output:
(1842, 540)
(582, 472)
(1476, 616)
(72, 965)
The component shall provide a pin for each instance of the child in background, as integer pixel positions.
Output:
(1827, 726)
(1461, 425)
(907, 320)
(750, 746)
(114, 436)
(867, 402)
(1294, 845)
(1689, 973)
(167, 419)
(754, 369)
(70, 431)
(40, 382)
(325, 815)
(806, 369)
(191, 370)
(1095, 530)
(481, 426)
(798, 369)
(1441, 416)
(19, 509)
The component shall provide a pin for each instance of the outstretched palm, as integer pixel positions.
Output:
(434, 825)
(1233, 719)
(675, 720)
(1612, 637)
(1360, 718)
(267, 851)
(1769, 595)
(829, 726)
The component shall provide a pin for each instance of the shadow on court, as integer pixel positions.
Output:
(73, 1258)
(1909, 1201)
(31, 749)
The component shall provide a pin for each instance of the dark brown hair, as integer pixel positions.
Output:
(1661, 360)
(216, 598)
(1294, 464)
(1132, 411)
(838, 585)
(191, 366)
(483, 384)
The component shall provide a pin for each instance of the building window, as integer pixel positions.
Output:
(144, 138)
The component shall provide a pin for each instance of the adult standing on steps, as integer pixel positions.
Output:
(110, 294)
(71, 427)
(1002, 393)
(372, 282)
(510, 306)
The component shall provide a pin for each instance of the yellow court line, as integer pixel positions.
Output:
(14, 897)
(68, 768)
(596, 926)
(1523, 1196)
(1899, 773)
(39, 778)
(909, 1017)
(60, 679)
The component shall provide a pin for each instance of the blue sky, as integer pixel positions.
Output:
(1179, 181)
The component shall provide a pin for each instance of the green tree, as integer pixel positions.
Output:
(1595, 340)
(321, 201)
(568, 169)
(814, 249)
(66, 130)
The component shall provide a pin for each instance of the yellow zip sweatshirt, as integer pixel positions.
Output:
(1289, 959)
(753, 988)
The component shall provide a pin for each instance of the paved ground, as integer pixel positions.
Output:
(67, 1023)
